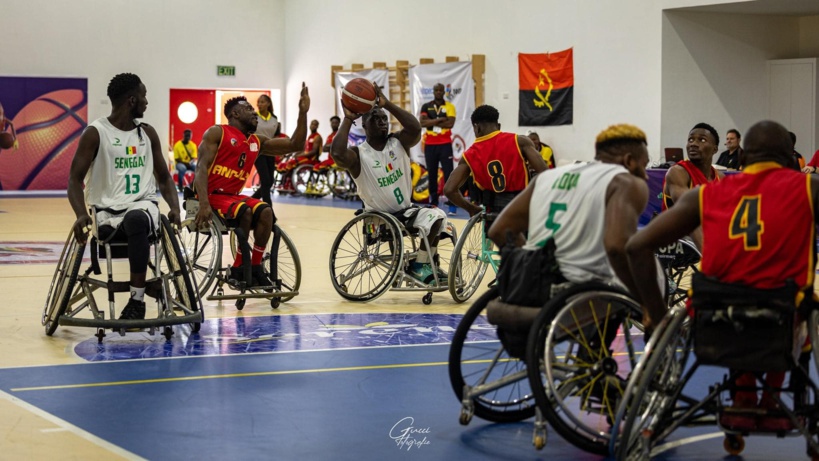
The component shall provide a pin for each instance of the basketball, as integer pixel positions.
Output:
(49, 129)
(358, 96)
(6, 140)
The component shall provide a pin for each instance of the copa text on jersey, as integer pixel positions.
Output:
(390, 179)
(129, 162)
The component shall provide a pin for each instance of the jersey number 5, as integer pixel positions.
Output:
(746, 222)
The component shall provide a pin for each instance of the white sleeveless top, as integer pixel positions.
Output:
(569, 205)
(385, 181)
(123, 170)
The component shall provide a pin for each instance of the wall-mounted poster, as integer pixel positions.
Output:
(45, 118)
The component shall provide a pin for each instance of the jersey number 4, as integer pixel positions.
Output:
(747, 224)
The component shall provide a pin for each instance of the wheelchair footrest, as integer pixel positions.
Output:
(253, 295)
(153, 287)
(116, 324)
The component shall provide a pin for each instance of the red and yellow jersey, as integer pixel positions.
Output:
(233, 162)
(696, 178)
(497, 163)
(311, 141)
(758, 227)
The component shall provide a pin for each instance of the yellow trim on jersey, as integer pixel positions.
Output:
(488, 136)
(215, 155)
(760, 167)
(811, 249)
(523, 160)
(700, 193)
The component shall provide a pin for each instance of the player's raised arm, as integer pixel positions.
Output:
(282, 146)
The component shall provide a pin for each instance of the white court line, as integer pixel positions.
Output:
(688, 440)
(65, 425)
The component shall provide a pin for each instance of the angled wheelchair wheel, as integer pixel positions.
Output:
(288, 261)
(582, 348)
(182, 294)
(679, 261)
(650, 397)
(489, 382)
(62, 283)
(366, 256)
(203, 248)
(467, 266)
(301, 178)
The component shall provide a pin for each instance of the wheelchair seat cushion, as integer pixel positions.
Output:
(744, 328)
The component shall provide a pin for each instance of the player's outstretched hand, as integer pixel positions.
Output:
(304, 99)
(380, 100)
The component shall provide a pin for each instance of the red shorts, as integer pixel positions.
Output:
(324, 165)
(231, 206)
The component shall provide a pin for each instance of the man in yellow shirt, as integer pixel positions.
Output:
(545, 151)
(184, 154)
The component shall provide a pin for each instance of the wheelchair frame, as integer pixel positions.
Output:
(66, 298)
(214, 272)
(364, 250)
(655, 404)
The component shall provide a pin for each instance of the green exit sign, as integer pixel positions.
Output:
(229, 71)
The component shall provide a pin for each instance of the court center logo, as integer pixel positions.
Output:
(407, 435)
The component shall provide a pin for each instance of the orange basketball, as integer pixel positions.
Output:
(358, 96)
(6, 140)
(48, 130)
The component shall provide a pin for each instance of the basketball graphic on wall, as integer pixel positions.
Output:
(48, 130)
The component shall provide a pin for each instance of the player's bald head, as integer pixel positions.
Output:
(768, 140)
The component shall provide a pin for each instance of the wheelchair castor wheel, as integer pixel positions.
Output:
(274, 303)
(220, 292)
(240, 304)
(343, 287)
(427, 298)
(464, 418)
(539, 442)
(733, 444)
(100, 334)
(195, 327)
(168, 332)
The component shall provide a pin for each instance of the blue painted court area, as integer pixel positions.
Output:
(365, 404)
(247, 335)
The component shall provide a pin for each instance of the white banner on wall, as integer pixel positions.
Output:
(380, 76)
(460, 91)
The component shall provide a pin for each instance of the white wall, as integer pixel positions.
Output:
(616, 52)
(714, 69)
(168, 43)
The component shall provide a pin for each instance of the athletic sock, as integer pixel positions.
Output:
(238, 261)
(137, 293)
(256, 256)
(423, 257)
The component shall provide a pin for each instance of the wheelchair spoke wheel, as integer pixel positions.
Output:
(301, 178)
(468, 266)
(366, 256)
(288, 264)
(477, 358)
(585, 344)
(62, 284)
(649, 399)
(181, 293)
(204, 251)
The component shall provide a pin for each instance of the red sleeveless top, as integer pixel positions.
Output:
(233, 162)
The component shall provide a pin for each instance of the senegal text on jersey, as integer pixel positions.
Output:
(388, 180)
(129, 162)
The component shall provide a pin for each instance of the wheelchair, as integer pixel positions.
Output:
(567, 362)
(679, 261)
(373, 253)
(734, 327)
(204, 247)
(473, 254)
(71, 293)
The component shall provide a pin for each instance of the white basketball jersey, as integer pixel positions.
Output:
(569, 205)
(385, 181)
(123, 170)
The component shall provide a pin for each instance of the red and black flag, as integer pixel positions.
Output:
(546, 88)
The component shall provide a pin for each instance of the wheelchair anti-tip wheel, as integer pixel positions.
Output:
(488, 382)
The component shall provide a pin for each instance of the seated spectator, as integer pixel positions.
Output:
(184, 154)
(730, 158)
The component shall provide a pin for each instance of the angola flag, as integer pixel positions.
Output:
(546, 88)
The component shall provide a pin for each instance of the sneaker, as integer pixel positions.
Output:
(422, 272)
(134, 310)
(452, 210)
(236, 275)
(260, 278)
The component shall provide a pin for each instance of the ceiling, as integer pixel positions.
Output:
(766, 7)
